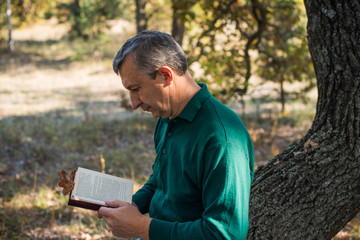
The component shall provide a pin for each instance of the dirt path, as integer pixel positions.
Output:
(37, 80)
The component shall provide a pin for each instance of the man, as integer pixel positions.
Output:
(200, 185)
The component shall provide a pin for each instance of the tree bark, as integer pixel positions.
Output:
(312, 189)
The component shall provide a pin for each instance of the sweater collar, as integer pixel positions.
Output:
(194, 105)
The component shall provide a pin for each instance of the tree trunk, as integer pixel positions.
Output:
(141, 20)
(282, 95)
(8, 13)
(77, 26)
(178, 21)
(312, 189)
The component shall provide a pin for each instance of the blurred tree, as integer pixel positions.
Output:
(8, 13)
(178, 20)
(141, 17)
(227, 38)
(88, 17)
(23, 12)
(283, 53)
(28, 11)
(259, 19)
(153, 14)
(312, 189)
(2, 14)
(228, 30)
(181, 13)
(77, 20)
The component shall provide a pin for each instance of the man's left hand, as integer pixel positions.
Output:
(125, 220)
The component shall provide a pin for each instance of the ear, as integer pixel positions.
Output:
(167, 74)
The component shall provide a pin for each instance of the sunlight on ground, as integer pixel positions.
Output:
(31, 88)
(44, 90)
(43, 30)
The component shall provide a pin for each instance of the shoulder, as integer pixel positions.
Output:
(224, 121)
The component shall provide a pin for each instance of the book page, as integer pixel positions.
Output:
(96, 187)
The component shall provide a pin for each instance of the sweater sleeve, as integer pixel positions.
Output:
(143, 196)
(225, 192)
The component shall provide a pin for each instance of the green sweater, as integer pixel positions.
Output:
(202, 173)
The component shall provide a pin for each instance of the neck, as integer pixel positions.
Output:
(184, 90)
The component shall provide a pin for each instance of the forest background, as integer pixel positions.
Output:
(61, 106)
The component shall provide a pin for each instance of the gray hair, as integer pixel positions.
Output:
(150, 51)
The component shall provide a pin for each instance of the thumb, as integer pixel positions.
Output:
(109, 207)
(115, 203)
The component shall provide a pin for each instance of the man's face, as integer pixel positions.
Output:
(151, 95)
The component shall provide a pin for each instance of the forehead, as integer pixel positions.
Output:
(128, 72)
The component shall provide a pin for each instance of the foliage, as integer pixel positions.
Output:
(229, 38)
(3, 18)
(157, 15)
(220, 40)
(284, 55)
(88, 17)
(23, 12)
(226, 37)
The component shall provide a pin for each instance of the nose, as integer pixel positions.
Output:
(135, 100)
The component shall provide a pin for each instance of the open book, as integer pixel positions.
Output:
(93, 188)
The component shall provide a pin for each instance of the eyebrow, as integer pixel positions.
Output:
(131, 86)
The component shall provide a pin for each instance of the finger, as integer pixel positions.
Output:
(109, 208)
(115, 203)
(99, 215)
(104, 211)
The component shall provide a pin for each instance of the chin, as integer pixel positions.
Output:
(154, 115)
(157, 115)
